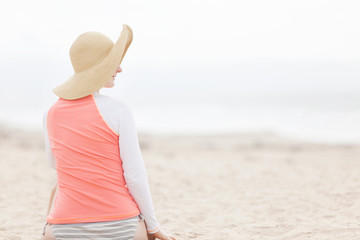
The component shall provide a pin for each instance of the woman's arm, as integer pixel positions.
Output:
(53, 191)
(134, 169)
(51, 160)
(49, 153)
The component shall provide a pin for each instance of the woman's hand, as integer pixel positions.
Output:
(160, 235)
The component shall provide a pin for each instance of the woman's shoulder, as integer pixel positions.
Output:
(113, 103)
(113, 110)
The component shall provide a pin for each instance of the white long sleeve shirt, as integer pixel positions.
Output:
(119, 117)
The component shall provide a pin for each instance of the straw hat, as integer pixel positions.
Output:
(94, 58)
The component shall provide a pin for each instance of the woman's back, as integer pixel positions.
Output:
(89, 167)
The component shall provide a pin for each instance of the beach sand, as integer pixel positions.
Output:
(244, 186)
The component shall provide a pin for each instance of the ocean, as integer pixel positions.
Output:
(287, 100)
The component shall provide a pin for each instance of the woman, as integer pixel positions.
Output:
(102, 189)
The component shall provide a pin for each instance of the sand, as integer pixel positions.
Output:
(243, 186)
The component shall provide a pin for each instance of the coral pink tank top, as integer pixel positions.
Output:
(91, 186)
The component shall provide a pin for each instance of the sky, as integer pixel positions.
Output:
(189, 31)
(221, 49)
(180, 35)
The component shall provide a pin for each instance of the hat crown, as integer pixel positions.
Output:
(89, 49)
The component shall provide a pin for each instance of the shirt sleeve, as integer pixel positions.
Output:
(48, 150)
(134, 169)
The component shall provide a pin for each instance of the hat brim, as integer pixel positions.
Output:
(84, 83)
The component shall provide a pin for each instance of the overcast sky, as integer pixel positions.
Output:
(188, 31)
(203, 51)
(237, 45)
(280, 44)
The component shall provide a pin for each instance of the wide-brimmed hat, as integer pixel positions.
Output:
(94, 58)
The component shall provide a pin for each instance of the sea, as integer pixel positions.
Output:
(315, 102)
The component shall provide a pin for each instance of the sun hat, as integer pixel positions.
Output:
(94, 58)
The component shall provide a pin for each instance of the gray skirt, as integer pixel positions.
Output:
(111, 230)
